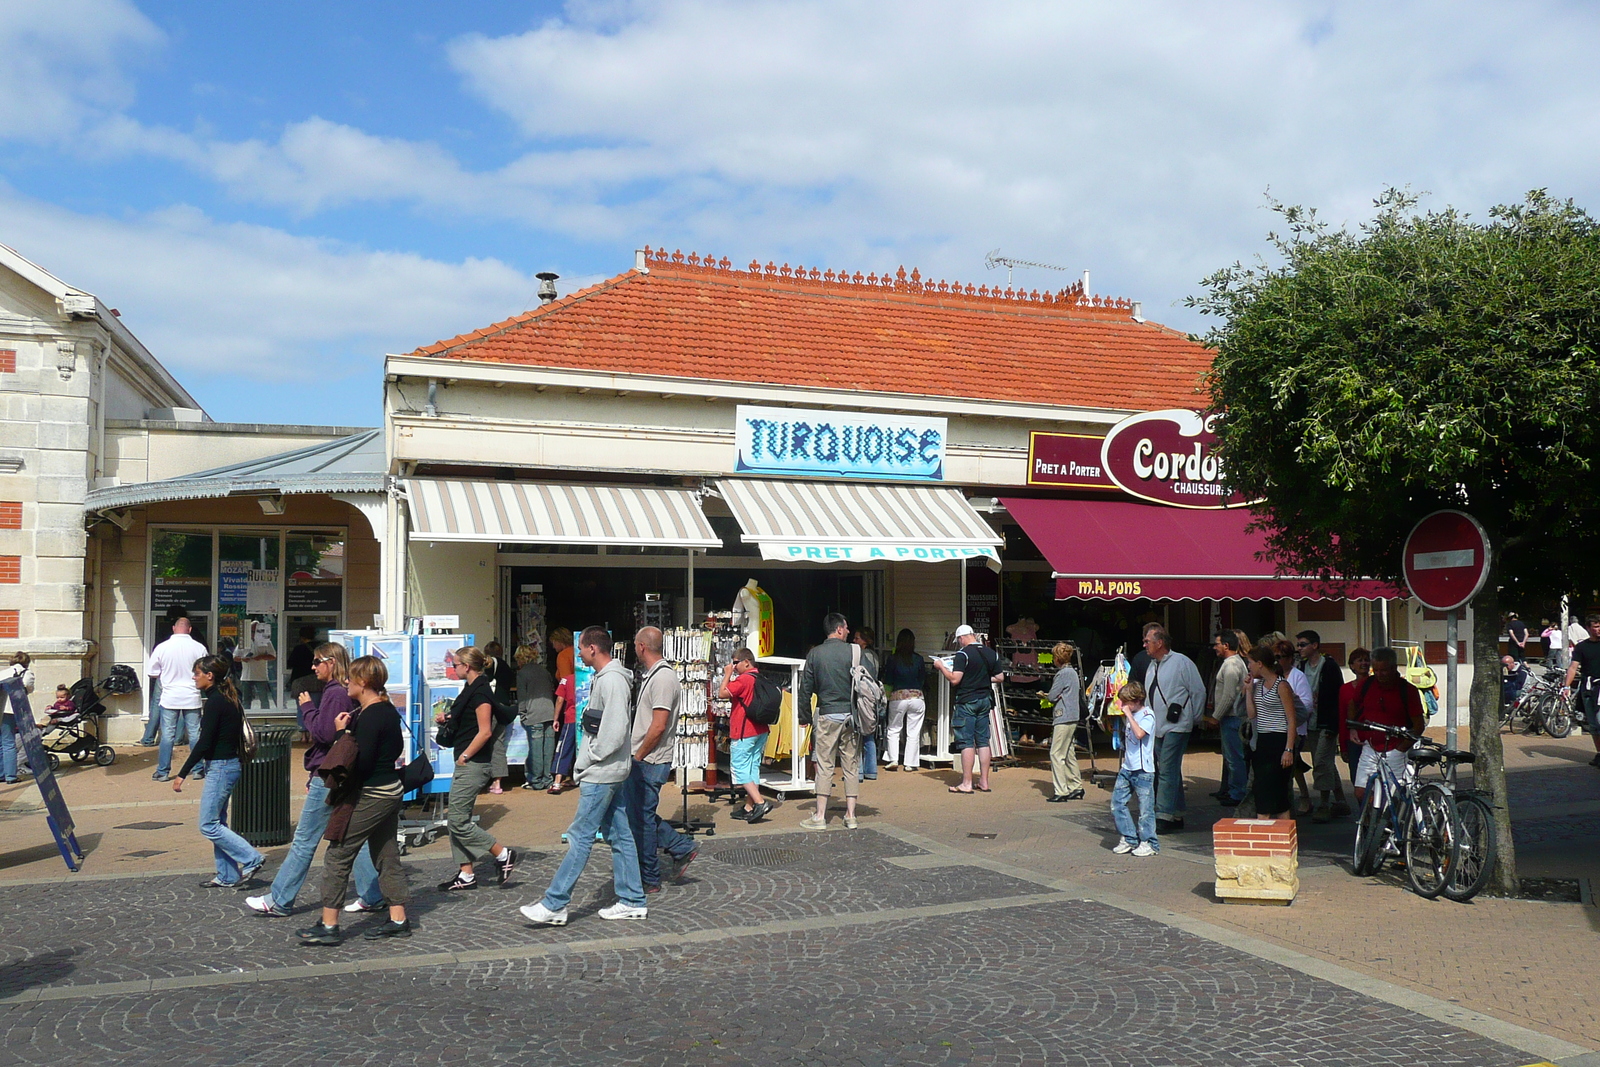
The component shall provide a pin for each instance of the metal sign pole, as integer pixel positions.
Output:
(1450, 658)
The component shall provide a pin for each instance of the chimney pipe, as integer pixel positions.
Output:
(547, 285)
(1086, 293)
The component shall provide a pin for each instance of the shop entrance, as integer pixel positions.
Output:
(620, 598)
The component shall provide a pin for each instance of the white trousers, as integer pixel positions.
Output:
(905, 721)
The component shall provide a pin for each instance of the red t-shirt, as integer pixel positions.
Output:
(567, 693)
(1399, 705)
(742, 690)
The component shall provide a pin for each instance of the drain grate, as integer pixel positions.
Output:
(148, 825)
(758, 857)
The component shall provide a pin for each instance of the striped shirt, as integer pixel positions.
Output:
(1270, 716)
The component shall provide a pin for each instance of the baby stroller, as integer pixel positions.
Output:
(77, 732)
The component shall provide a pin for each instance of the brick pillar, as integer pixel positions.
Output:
(1258, 860)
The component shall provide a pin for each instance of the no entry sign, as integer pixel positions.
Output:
(1446, 560)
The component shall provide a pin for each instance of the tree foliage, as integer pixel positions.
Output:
(1423, 360)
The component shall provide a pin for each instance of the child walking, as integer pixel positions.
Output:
(1137, 775)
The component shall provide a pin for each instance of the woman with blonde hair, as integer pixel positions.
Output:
(1066, 689)
(331, 664)
(469, 729)
(369, 808)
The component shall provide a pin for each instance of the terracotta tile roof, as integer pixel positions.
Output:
(697, 318)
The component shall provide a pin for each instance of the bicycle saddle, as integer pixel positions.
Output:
(1458, 756)
(1424, 756)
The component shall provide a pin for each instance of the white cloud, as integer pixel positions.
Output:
(63, 65)
(1134, 138)
(255, 304)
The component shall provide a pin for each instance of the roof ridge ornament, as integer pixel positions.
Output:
(1072, 298)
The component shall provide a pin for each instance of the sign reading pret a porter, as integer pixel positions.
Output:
(1167, 456)
(1067, 459)
(839, 444)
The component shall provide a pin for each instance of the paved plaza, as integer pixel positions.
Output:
(991, 930)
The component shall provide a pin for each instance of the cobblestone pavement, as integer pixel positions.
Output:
(829, 958)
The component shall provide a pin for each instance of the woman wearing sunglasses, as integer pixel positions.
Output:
(331, 664)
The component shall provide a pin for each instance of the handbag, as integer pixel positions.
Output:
(249, 740)
(419, 772)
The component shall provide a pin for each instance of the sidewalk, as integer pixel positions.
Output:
(1523, 962)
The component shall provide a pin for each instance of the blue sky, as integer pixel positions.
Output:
(276, 194)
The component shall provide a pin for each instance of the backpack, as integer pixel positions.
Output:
(866, 695)
(766, 701)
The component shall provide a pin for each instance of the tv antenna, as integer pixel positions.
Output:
(995, 259)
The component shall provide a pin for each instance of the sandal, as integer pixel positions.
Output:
(983, 789)
(963, 792)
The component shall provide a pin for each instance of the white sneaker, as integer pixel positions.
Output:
(619, 910)
(538, 913)
(1144, 850)
(359, 905)
(1123, 848)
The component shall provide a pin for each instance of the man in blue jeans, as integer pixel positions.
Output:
(173, 662)
(1227, 708)
(1176, 696)
(602, 770)
(655, 732)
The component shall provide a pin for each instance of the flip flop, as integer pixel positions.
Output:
(963, 792)
(981, 789)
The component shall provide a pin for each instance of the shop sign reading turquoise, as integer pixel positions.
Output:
(839, 444)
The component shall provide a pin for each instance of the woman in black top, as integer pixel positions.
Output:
(374, 820)
(469, 728)
(221, 743)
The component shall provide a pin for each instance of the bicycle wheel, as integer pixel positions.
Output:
(1477, 837)
(1364, 857)
(1558, 716)
(1431, 850)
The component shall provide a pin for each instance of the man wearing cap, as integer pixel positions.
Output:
(970, 673)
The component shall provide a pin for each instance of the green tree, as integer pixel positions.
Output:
(1422, 360)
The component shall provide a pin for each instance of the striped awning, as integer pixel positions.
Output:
(841, 522)
(535, 513)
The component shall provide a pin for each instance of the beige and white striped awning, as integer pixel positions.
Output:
(535, 513)
(842, 522)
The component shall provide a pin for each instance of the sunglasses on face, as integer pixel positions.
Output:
(1302, 644)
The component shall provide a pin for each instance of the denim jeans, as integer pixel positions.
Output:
(541, 751)
(650, 831)
(153, 727)
(1235, 768)
(600, 804)
(1139, 784)
(1169, 774)
(171, 720)
(869, 756)
(232, 851)
(8, 746)
(250, 692)
(307, 836)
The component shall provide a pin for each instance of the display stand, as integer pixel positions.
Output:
(796, 779)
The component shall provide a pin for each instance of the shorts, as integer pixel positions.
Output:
(1367, 765)
(744, 758)
(969, 724)
(1589, 708)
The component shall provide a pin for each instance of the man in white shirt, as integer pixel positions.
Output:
(253, 682)
(172, 661)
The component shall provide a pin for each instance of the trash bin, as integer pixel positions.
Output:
(261, 801)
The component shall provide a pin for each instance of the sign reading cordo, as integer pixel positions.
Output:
(1166, 456)
(839, 444)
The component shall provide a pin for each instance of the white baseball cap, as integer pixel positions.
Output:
(964, 630)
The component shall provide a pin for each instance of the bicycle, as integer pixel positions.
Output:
(1544, 704)
(1409, 819)
(1471, 812)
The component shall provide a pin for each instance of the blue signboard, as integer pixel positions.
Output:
(55, 807)
(839, 444)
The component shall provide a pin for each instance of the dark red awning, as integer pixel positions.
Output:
(1120, 550)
